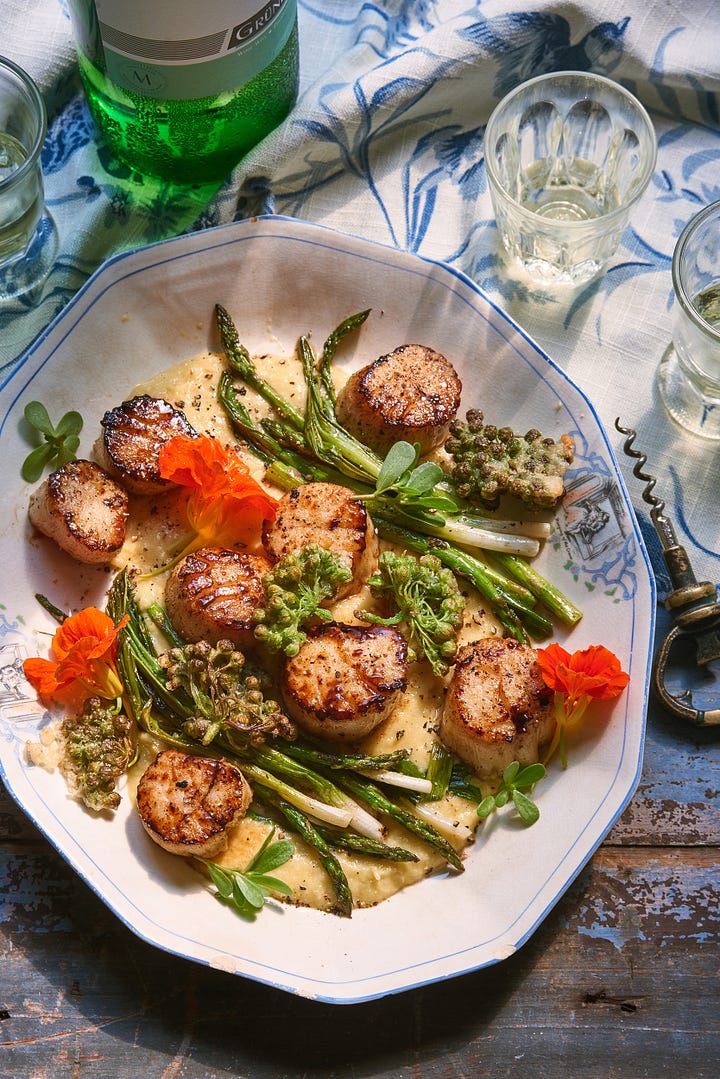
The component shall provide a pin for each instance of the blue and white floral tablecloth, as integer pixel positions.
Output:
(386, 142)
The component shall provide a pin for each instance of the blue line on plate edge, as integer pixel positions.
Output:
(386, 259)
(478, 293)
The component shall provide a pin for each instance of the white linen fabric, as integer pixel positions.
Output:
(386, 142)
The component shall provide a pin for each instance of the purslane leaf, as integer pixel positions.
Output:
(271, 884)
(68, 450)
(401, 457)
(425, 477)
(59, 443)
(37, 416)
(70, 424)
(529, 776)
(511, 771)
(250, 892)
(221, 880)
(272, 857)
(514, 782)
(525, 807)
(35, 462)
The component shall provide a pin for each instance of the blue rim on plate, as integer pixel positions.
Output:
(144, 311)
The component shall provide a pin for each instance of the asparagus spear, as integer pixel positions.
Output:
(305, 828)
(359, 844)
(330, 347)
(546, 592)
(240, 361)
(338, 456)
(344, 760)
(372, 794)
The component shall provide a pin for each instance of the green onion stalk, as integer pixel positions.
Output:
(299, 447)
(300, 781)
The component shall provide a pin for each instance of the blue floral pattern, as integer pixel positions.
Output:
(386, 141)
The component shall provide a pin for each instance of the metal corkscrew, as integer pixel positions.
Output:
(693, 604)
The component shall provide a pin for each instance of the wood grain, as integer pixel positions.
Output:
(621, 980)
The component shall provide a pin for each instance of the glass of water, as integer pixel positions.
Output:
(567, 156)
(28, 235)
(689, 373)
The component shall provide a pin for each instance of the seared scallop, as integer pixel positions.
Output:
(497, 708)
(132, 437)
(212, 593)
(346, 680)
(188, 804)
(410, 395)
(83, 510)
(330, 516)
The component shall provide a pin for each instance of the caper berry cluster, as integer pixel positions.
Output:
(490, 461)
(295, 589)
(224, 692)
(98, 749)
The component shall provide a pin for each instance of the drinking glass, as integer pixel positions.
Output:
(567, 156)
(689, 373)
(28, 235)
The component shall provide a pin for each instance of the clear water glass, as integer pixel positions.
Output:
(567, 156)
(689, 373)
(28, 235)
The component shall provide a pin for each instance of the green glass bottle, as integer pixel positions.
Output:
(182, 89)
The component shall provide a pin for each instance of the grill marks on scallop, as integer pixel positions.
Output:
(329, 515)
(213, 593)
(133, 434)
(346, 680)
(497, 707)
(83, 509)
(189, 804)
(411, 394)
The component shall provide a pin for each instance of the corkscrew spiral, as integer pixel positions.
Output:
(657, 504)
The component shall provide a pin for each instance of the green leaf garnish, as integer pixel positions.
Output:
(525, 806)
(59, 443)
(516, 781)
(400, 458)
(247, 889)
(409, 484)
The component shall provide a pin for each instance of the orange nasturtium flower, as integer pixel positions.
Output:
(85, 647)
(575, 679)
(226, 505)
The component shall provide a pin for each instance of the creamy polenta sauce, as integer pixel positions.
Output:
(157, 523)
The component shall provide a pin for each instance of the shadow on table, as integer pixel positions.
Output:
(132, 1004)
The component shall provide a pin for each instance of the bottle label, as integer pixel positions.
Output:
(182, 49)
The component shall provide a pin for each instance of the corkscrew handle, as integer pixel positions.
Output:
(693, 604)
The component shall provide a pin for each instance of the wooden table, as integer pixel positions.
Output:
(622, 979)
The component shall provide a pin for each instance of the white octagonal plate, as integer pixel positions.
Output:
(279, 278)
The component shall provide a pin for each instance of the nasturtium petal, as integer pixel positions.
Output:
(85, 646)
(594, 671)
(226, 506)
(90, 624)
